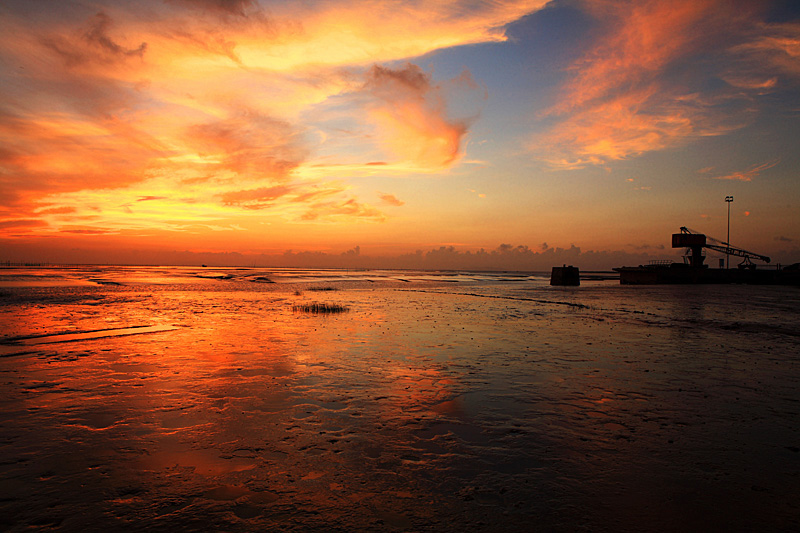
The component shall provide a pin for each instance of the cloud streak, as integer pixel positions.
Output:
(749, 174)
(637, 88)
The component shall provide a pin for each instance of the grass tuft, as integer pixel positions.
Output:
(319, 308)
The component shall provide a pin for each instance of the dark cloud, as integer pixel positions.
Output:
(22, 223)
(228, 7)
(98, 35)
(644, 247)
(95, 44)
(87, 231)
(385, 82)
(57, 211)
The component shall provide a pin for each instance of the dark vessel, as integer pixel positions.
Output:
(565, 276)
(694, 269)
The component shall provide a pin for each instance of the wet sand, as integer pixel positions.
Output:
(148, 399)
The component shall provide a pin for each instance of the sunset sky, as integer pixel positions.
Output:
(258, 127)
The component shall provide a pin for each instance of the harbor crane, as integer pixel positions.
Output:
(695, 241)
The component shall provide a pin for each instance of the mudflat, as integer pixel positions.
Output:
(257, 400)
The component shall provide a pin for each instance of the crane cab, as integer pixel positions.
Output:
(694, 242)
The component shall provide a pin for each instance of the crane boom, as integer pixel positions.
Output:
(696, 240)
(737, 252)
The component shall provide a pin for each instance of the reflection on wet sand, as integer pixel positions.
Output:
(493, 407)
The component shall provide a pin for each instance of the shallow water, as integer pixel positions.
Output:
(197, 399)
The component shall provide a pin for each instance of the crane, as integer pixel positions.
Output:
(696, 241)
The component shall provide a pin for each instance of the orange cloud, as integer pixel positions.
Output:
(411, 115)
(178, 114)
(350, 208)
(623, 98)
(255, 198)
(617, 129)
(778, 46)
(643, 38)
(92, 46)
(62, 152)
(391, 199)
(21, 223)
(250, 144)
(749, 174)
(362, 33)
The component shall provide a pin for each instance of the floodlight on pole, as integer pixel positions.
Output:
(728, 200)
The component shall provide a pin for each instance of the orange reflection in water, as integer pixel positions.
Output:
(411, 411)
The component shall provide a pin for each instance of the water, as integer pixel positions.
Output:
(197, 399)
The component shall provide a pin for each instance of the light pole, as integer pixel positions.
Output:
(728, 200)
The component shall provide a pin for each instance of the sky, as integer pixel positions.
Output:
(244, 130)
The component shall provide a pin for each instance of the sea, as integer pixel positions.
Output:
(257, 399)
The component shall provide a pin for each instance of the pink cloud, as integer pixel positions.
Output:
(350, 208)
(410, 111)
(749, 174)
(250, 144)
(391, 199)
(624, 98)
(255, 198)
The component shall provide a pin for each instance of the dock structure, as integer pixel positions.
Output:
(565, 276)
(694, 270)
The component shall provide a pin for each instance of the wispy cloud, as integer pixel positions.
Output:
(255, 198)
(93, 230)
(94, 44)
(350, 208)
(749, 174)
(777, 48)
(626, 95)
(353, 33)
(22, 223)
